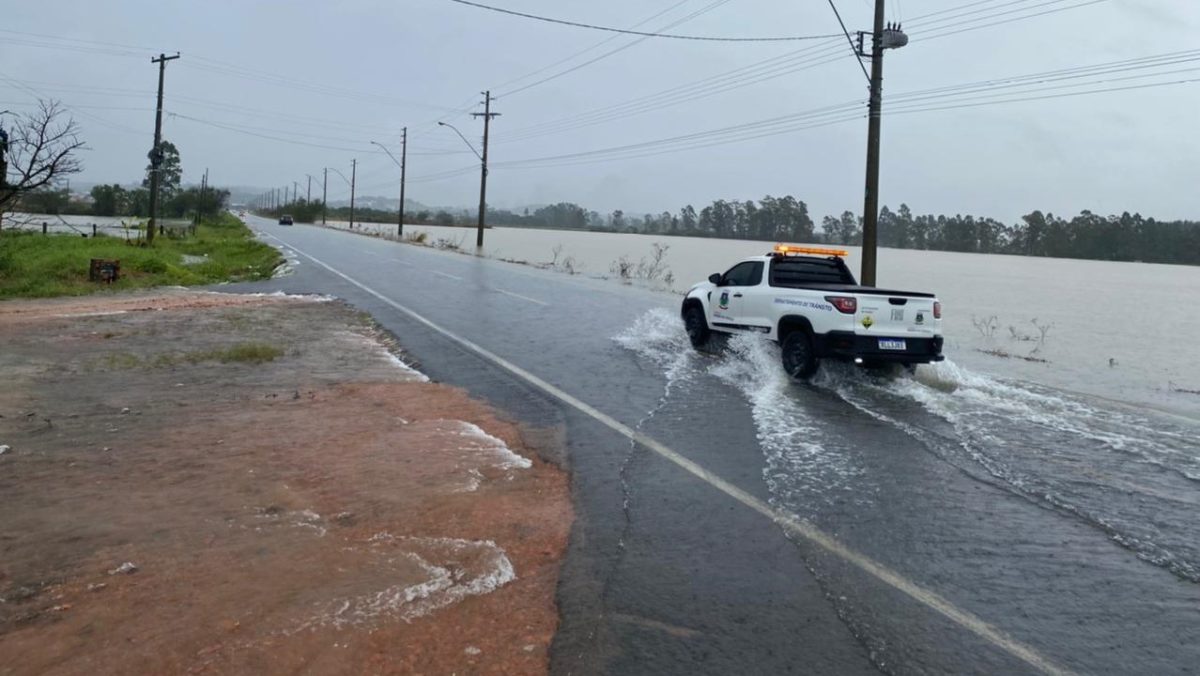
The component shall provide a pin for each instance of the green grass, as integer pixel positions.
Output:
(33, 265)
(242, 353)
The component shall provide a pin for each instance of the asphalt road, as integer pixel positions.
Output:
(696, 550)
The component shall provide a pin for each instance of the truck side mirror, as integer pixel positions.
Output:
(715, 278)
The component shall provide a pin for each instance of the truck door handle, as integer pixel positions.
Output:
(737, 295)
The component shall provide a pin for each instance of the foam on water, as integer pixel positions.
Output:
(802, 462)
(1133, 476)
(803, 466)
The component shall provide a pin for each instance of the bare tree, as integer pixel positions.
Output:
(40, 149)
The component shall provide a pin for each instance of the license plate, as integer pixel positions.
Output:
(892, 344)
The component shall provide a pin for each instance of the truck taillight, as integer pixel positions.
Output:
(937, 309)
(844, 304)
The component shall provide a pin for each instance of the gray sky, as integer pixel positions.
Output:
(341, 74)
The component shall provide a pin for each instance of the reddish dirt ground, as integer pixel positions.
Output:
(323, 512)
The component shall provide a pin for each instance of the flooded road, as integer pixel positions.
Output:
(732, 521)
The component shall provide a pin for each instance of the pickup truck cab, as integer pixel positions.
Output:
(808, 301)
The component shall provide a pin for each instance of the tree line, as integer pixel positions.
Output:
(115, 200)
(1123, 237)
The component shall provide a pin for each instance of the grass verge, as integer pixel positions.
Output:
(241, 353)
(33, 265)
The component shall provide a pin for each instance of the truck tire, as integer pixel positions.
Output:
(696, 326)
(799, 360)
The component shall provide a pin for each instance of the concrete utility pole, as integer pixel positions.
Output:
(353, 174)
(295, 192)
(324, 192)
(487, 116)
(403, 162)
(308, 196)
(889, 37)
(156, 154)
(399, 163)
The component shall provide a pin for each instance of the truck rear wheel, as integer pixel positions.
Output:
(799, 359)
(696, 326)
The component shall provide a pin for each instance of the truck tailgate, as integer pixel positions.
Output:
(894, 315)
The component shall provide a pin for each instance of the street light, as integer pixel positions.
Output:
(350, 182)
(482, 178)
(464, 138)
(400, 163)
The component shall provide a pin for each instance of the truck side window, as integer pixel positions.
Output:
(743, 274)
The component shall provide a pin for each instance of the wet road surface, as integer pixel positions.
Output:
(949, 523)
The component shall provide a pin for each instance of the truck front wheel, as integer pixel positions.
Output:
(799, 360)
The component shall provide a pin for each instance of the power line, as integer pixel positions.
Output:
(595, 46)
(853, 50)
(703, 10)
(735, 79)
(847, 111)
(576, 24)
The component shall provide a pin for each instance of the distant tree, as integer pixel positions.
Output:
(137, 202)
(444, 218)
(109, 200)
(687, 218)
(617, 220)
(170, 171)
(45, 200)
(844, 230)
(422, 216)
(38, 151)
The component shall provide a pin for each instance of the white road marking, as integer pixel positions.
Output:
(436, 272)
(788, 522)
(517, 295)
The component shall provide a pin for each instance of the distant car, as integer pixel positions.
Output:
(285, 220)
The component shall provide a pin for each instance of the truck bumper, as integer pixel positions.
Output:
(849, 346)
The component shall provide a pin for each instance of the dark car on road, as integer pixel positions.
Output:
(285, 220)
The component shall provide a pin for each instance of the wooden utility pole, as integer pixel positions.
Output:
(156, 154)
(882, 37)
(324, 193)
(403, 161)
(353, 171)
(487, 116)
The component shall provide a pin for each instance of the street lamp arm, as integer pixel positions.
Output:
(389, 153)
(334, 170)
(464, 138)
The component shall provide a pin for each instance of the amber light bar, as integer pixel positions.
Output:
(790, 249)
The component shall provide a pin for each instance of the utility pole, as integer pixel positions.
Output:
(487, 116)
(324, 193)
(295, 192)
(403, 161)
(308, 196)
(156, 154)
(882, 37)
(353, 174)
(203, 192)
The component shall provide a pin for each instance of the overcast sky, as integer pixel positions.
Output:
(341, 74)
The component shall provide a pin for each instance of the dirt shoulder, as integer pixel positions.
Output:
(210, 483)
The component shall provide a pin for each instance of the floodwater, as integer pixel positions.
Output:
(1065, 519)
(1121, 331)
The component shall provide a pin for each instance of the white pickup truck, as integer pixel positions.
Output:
(808, 301)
